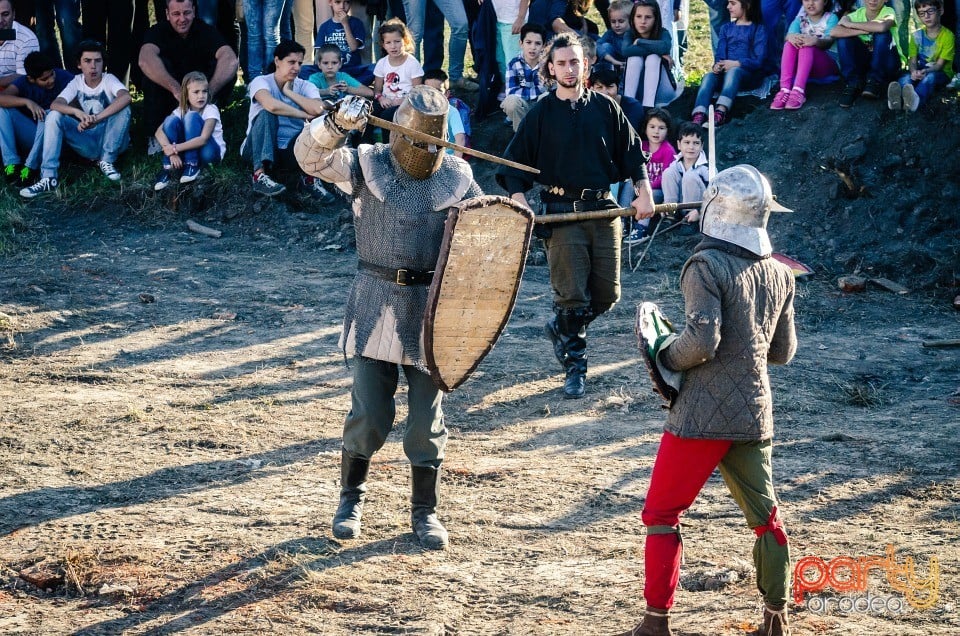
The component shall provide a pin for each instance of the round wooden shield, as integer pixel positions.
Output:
(475, 286)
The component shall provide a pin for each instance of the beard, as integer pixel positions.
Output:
(570, 82)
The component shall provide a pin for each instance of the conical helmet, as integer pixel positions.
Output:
(736, 207)
(424, 109)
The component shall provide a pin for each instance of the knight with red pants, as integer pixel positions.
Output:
(739, 318)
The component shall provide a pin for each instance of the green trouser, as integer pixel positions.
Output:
(584, 259)
(747, 469)
(373, 410)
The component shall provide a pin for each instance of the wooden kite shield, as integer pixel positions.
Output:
(475, 286)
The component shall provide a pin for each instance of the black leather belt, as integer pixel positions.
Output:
(400, 277)
(559, 207)
(583, 195)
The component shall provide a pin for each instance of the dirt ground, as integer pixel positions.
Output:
(171, 407)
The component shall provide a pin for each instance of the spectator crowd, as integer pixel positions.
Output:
(66, 65)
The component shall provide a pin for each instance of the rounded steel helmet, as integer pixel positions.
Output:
(424, 109)
(736, 207)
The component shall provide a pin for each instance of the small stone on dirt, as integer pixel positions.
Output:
(44, 575)
(147, 298)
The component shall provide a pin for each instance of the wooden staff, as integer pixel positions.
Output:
(661, 209)
(430, 139)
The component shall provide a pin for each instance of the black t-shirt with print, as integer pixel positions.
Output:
(196, 52)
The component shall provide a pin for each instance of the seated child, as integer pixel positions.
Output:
(610, 44)
(741, 50)
(456, 133)
(807, 52)
(23, 106)
(333, 83)
(92, 114)
(349, 35)
(192, 135)
(686, 178)
(931, 60)
(524, 84)
(869, 54)
(648, 56)
(656, 143)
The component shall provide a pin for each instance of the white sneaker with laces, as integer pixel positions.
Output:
(47, 185)
(109, 171)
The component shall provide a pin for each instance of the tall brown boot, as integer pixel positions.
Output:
(353, 490)
(656, 622)
(774, 623)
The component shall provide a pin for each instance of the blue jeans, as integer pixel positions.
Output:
(857, 61)
(20, 131)
(65, 16)
(456, 16)
(104, 141)
(729, 82)
(208, 11)
(777, 16)
(432, 37)
(925, 87)
(180, 130)
(263, 34)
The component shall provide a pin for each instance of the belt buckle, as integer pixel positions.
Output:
(401, 277)
(576, 206)
(585, 194)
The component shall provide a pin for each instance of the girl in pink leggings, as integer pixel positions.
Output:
(807, 52)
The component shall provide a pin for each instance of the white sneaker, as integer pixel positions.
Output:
(47, 185)
(955, 82)
(109, 171)
(911, 101)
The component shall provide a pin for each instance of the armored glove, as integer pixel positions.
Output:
(654, 334)
(352, 112)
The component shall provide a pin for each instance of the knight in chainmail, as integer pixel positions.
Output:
(400, 194)
(739, 319)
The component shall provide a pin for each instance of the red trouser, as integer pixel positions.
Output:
(680, 471)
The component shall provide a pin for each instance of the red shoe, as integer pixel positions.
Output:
(699, 119)
(719, 117)
(780, 99)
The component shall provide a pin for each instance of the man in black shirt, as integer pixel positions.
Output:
(589, 145)
(176, 46)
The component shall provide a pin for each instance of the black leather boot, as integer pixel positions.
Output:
(353, 490)
(572, 325)
(575, 384)
(552, 331)
(423, 511)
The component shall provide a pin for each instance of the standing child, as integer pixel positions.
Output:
(398, 71)
(648, 57)
(686, 178)
(808, 52)
(192, 136)
(741, 47)
(333, 82)
(524, 86)
(92, 114)
(349, 35)
(610, 45)
(931, 60)
(511, 16)
(869, 54)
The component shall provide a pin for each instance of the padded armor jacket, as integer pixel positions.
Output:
(739, 318)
